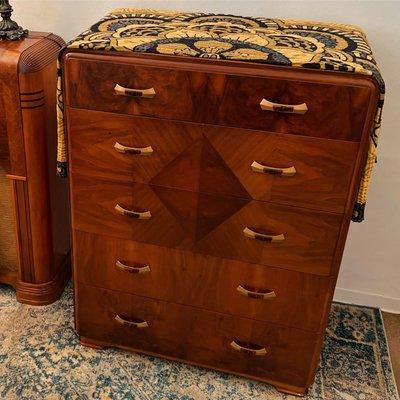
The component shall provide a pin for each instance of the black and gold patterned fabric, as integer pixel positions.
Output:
(298, 44)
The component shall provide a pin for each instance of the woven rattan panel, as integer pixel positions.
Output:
(8, 245)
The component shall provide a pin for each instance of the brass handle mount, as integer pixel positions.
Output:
(255, 293)
(249, 233)
(142, 93)
(142, 151)
(133, 323)
(265, 169)
(140, 269)
(267, 105)
(249, 348)
(132, 214)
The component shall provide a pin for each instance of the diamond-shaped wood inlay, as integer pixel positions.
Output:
(200, 168)
(194, 187)
(198, 213)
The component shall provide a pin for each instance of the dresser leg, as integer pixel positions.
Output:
(94, 344)
(294, 391)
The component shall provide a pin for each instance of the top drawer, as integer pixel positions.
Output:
(289, 106)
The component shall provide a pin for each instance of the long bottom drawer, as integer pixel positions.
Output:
(283, 356)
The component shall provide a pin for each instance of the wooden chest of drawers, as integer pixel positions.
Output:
(210, 206)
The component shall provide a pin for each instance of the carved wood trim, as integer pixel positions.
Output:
(45, 293)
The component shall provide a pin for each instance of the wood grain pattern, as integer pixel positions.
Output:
(94, 134)
(208, 224)
(213, 160)
(334, 111)
(200, 184)
(28, 81)
(93, 205)
(231, 100)
(207, 342)
(324, 168)
(309, 245)
(202, 281)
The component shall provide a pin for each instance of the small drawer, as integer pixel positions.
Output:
(275, 235)
(220, 95)
(99, 85)
(232, 287)
(325, 110)
(129, 211)
(125, 148)
(239, 345)
(288, 169)
(206, 223)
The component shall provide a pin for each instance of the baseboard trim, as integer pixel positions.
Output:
(388, 304)
(42, 294)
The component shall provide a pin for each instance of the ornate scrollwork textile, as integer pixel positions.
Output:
(300, 44)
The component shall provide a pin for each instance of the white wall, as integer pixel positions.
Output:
(370, 271)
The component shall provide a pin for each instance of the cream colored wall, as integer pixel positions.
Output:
(370, 271)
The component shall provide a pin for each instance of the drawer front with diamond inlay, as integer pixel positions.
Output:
(307, 172)
(283, 236)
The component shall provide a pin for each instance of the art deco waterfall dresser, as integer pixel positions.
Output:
(212, 185)
(34, 223)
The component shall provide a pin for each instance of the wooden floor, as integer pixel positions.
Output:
(392, 326)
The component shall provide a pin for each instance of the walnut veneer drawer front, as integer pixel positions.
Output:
(265, 351)
(274, 104)
(242, 229)
(307, 172)
(232, 287)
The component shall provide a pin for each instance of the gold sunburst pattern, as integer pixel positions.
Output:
(294, 43)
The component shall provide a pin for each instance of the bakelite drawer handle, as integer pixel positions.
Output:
(142, 151)
(133, 214)
(134, 323)
(142, 269)
(144, 93)
(255, 293)
(261, 236)
(249, 348)
(265, 169)
(283, 108)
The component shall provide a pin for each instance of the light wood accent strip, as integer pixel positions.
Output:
(143, 93)
(283, 108)
(16, 177)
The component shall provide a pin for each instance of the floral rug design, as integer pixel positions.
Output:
(41, 359)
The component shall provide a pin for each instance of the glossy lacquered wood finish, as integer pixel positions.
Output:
(334, 111)
(240, 223)
(203, 281)
(195, 335)
(28, 81)
(208, 224)
(213, 160)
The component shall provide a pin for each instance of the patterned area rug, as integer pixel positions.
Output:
(41, 358)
